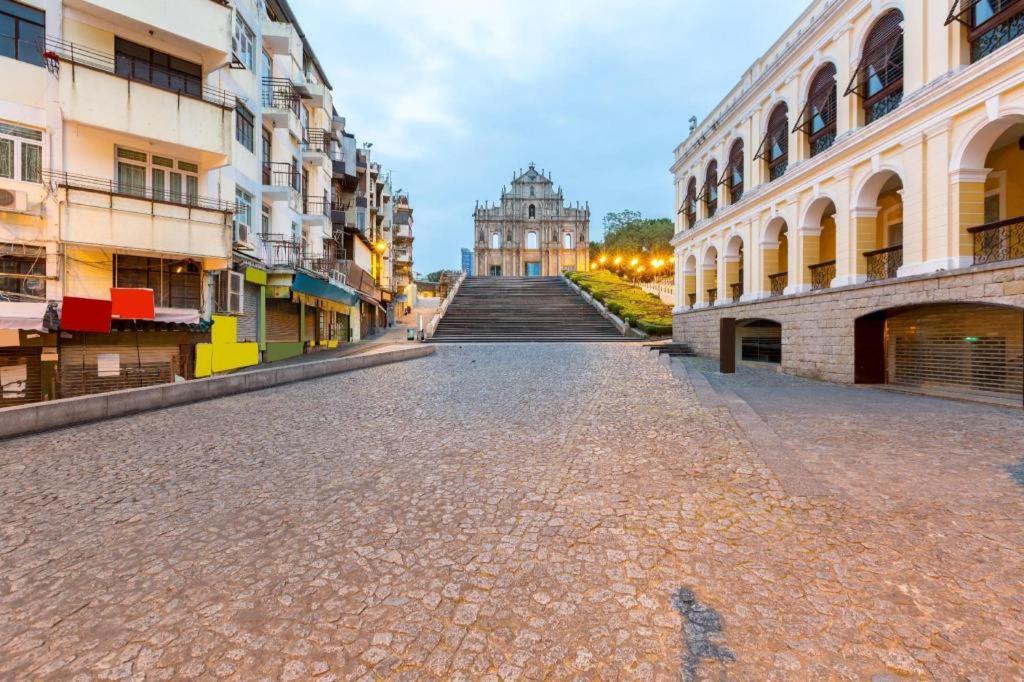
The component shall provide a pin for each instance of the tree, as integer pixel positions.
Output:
(628, 232)
(435, 276)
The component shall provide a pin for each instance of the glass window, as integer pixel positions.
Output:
(242, 41)
(244, 127)
(244, 202)
(19, 158)
(24, 265)
(170, 180)
(21, 32)
(6, 158)
(138, 62)
(268, 65)
(174, 283)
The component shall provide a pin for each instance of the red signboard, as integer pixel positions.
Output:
(85, 315)
(132, 304)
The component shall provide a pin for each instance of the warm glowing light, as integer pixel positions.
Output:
(618, 260)
(602, 259)
(657, 263)
(640, 268)
(634, 262)
(672, 259)
(381, 246)
(593, 265)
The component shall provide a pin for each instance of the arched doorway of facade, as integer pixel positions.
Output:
(818, 245)
(990, 187)
(710, 265)
(759, 340)
(734, 265)
(775, 257)
(958, 350)
(690, 281)
(878, 224)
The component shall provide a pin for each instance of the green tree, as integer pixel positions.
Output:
(628, 232)
(435, 276)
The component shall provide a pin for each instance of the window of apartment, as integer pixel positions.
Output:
(170, 179)
(733, 175)
(268, 65)
(243, 216)
(244, 126)
(242, 40)
(21, 32)
(711, 188)
(879, 76)
(21, 153)
(818, 118)
(140, 63)
(175, 283)
(265, 219)
(14, 268)
(690, 202)
(775, 145)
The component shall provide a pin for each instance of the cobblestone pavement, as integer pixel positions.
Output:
(534, 511)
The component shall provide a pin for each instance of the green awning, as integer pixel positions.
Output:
(304, 284)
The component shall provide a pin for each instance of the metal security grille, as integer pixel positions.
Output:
(966, 351)
(97, 369)
(19, 376)
(282, 320)
(248, 320)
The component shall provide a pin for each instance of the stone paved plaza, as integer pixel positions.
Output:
(531, 511)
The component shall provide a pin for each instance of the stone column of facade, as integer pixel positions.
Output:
(846, 231)
(710, 281)
(967, 196)
(864, 222)
(914, 194)
(808, 242)
(699, 278)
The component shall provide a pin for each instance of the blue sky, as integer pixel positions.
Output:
(458, 94)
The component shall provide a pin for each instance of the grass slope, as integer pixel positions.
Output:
(640, 309)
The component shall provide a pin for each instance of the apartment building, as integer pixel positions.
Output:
(166, 206)
(402, 242)
(852, 209)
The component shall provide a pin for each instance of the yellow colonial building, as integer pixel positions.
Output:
(854, 207)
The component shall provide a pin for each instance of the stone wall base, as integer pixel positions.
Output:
(818, 326)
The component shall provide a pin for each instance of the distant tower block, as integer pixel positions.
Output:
(532, 232)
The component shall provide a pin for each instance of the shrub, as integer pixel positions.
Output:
(638, 308)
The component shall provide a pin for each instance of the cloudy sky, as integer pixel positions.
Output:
(458, 94)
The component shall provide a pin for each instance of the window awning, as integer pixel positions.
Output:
(304, 284)
(820, 103)
(24, 315)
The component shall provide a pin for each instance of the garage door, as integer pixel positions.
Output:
(966, 351)
(282, 320)
(248, 320)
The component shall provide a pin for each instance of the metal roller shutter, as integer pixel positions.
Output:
(247, 322)
(967, 351)
(282, 320)
(19, 376)
(85, 370)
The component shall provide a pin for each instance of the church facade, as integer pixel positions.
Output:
(532, 232)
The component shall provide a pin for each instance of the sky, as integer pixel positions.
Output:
(457, 95)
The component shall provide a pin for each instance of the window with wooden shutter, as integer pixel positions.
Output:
(991, 24)
(709, 192)
(689, 208)
(818, 118)
(878, 79)
(732, 174)
(774, 149)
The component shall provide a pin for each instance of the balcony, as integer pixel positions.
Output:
(102, 212)
(737, 291)
(712, 295)
(339, 212)
(204, 26)
(101, 92)
(282, 251)
(316, 211)
(280, 180)
(316, 145)
(281, 104)
(359, 279)
(822, 274)
(884, 263)
(996, 242)
(778, 283)
(691, 300)
(280, 37)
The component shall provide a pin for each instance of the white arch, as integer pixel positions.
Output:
(815, 213)
(770, 234)
(495, 240)
(690, 264)
(815, 68)
(710, 252)
(531, 240)
(768, 114)
(567, 240)
(733, 244)
(865, 28)
(971, 151)
(871, 185)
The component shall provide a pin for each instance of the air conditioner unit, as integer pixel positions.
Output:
(229, 285)
(242, 235)
(338, 276)
(13, 201)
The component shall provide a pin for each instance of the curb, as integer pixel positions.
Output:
(54, 414)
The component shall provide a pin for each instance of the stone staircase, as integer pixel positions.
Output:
(519, 309)
(673, 350)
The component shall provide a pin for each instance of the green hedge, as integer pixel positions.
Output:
(638, 308)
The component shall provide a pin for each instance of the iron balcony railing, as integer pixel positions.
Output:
(712, 295)
(884, 263)
(136, 191)
(999, 241)
(691, 299)
(778, 283)
(316, 206)
(280, 93)
(282, 251)
(317, 140)
(737, 291)
(278, 174)
(358, 278)
(152, 75)
(822, 274)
